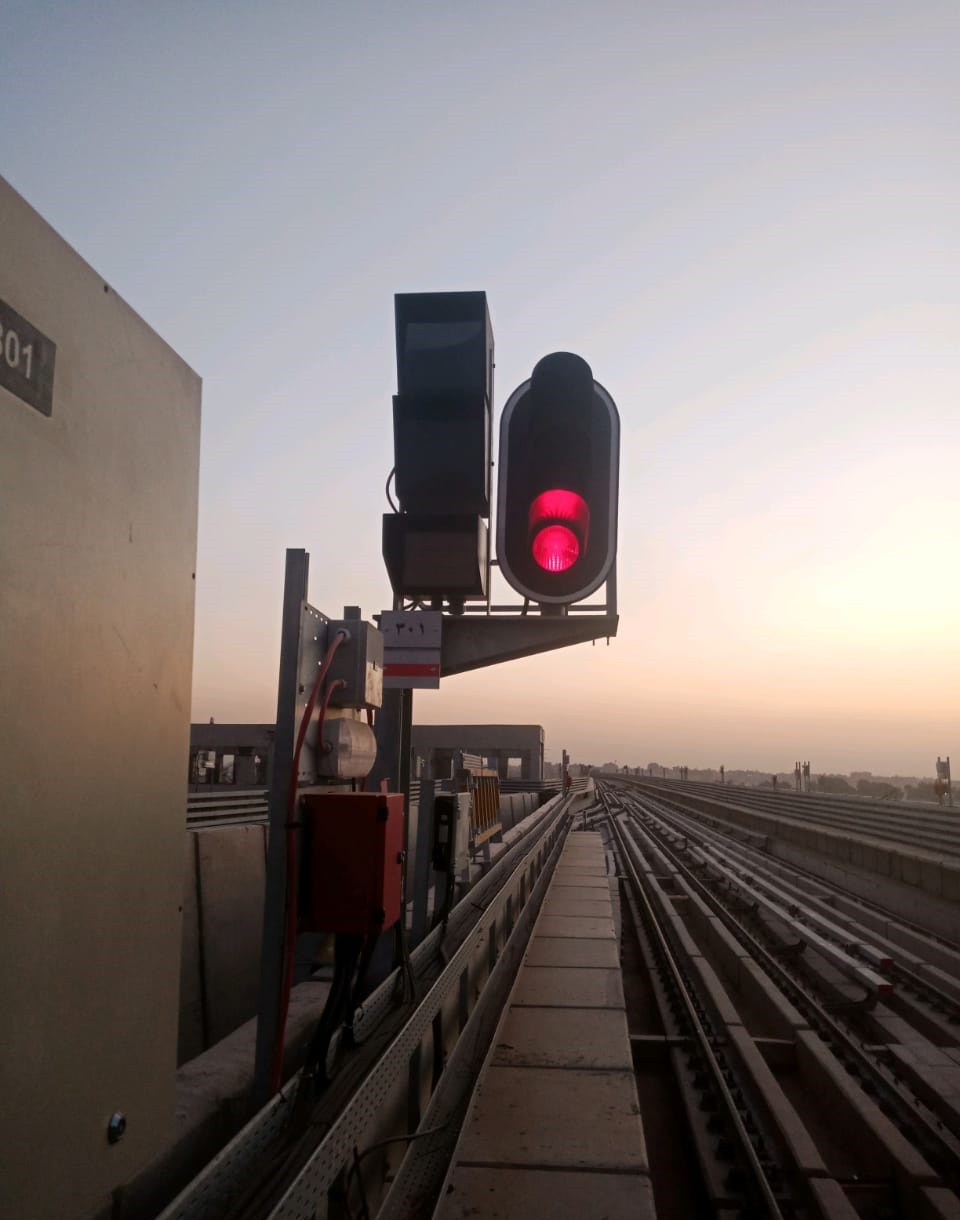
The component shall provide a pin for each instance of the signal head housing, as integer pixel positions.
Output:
(558, 483)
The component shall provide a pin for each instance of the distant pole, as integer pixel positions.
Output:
(943, 787)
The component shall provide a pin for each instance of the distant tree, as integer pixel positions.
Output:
(877, 788)
(833, 783)
(921, 792)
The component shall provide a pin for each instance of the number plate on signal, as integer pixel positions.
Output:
(26, 360)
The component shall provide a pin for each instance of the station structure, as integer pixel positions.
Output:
(284, 971)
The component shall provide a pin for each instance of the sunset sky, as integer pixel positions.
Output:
(744, 215)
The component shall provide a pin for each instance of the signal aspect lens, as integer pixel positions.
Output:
(560, 505)
(555, 548)
(559, 523)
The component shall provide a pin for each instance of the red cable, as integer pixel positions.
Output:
(290, 936)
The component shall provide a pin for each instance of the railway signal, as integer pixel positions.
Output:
(558, 483)
(435, 544)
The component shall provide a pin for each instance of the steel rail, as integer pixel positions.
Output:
(839, 802)
(920, 1010)
(682, 989)
(674, 803)
(777, 902)
(793, 875)
(935, 1143)
(936, 831)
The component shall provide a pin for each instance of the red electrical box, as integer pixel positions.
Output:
(353, 861)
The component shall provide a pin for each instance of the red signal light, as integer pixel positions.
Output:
(556, 548)
(559, 524)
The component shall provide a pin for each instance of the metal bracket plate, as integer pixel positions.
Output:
(313, 644)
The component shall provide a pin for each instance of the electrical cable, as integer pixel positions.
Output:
(347, 948)
(292, 879)
(354, 1170)
(406, 986)
(364, 1206)
(290, 934)
(390, 500)
(366, 956)
(408, 961)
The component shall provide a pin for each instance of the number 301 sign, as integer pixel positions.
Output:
(26, 360)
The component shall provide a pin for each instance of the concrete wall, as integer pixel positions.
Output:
(515, 806)
(99, 473)
(223, 886)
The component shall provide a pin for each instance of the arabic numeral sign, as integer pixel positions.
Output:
(26, 361)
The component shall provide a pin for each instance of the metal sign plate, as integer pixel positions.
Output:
(27, 360)
(411, 649)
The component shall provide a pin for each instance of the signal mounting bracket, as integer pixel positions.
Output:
(476, 641)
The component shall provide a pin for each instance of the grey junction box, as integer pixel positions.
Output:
(99, 470)
(358, 663)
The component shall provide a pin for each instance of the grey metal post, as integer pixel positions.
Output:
(403, 777)
(419, 875)
(274, 903)
(406, 723)
(388, 730)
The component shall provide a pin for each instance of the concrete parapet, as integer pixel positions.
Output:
(515, 806)
(783, 1016)
(790, 1128)
(880, 1143)
(230, 877)
(223, 885)
(934, 914)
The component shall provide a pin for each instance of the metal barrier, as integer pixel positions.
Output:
(484, 789)
(206, 809)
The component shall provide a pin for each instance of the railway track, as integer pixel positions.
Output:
(809, 1013)
(928, 827)
(794, 1048)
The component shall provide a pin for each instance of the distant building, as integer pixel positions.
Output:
(500, 745)
(229, 756)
